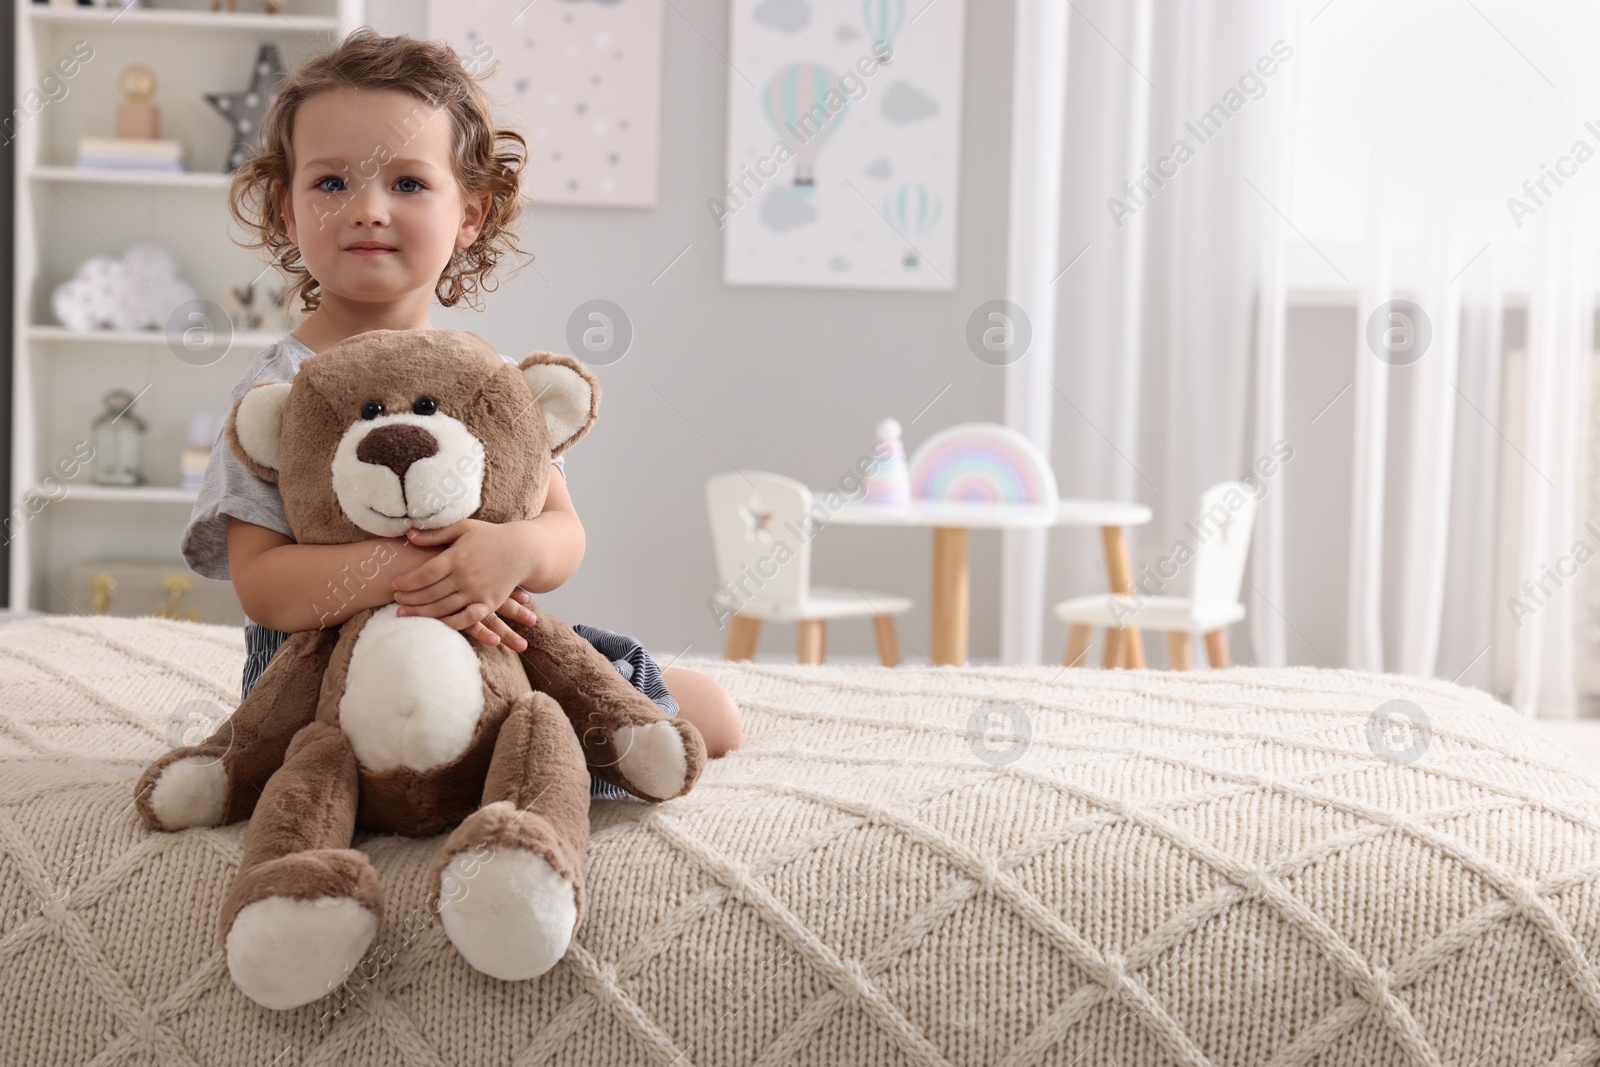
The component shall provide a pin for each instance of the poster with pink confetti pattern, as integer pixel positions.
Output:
(580, 79)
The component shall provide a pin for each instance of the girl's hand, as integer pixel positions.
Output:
(462, 584)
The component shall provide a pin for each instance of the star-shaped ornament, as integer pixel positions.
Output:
(244, 111)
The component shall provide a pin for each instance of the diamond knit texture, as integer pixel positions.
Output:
(943, 866)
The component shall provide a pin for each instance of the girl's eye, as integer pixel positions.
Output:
(413, 181)
(372, 409)
(329, 178)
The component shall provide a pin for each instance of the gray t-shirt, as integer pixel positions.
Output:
(231, 488)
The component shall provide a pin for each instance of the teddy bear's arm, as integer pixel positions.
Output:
(218, 781)
(626, 739)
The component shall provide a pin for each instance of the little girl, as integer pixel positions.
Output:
(381, 183)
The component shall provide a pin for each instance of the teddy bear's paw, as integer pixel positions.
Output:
(313, 918)
(509, 912)
(284, 952)
(187, 788)
(655, 759)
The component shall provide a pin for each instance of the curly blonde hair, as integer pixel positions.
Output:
(487, 158)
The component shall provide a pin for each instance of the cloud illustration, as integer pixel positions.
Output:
(782, 210)
(904, 103)
(790, 16)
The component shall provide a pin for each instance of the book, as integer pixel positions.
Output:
(131, 153)
(129, 163)
(131, 148)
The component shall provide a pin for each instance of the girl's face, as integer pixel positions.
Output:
(373, 202)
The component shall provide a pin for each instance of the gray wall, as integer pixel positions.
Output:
(789, 380)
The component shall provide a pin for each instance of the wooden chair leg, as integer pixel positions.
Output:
(888, 640)
(744, 634)
(1077, 645)
(1113, 654)
(1131, 644)
(1179, 650)
(1133, 649)
(1217, 648)
(812, 638)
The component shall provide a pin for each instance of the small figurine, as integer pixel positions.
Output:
(242, 307)
(102, 587)
(175, 585)
(137, 117)
(888, 481)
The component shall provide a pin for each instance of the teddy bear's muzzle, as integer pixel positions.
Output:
(397, 447)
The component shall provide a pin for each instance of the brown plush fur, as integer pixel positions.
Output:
(548, 716)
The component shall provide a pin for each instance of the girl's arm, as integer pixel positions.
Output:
(480, 560)
(291, 587)
(553, 541)
(288, 586)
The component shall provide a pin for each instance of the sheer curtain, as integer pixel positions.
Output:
(1159, 390)
(1438, 120)
(1229, 164)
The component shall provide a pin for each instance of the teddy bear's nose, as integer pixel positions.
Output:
(397, 447)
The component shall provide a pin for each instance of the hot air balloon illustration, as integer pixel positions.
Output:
(797, 104)
(883, 19)
(913, 209)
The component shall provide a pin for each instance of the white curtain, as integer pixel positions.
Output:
(1445, 112)
(1550, 648)
(1170, 162)
(1378, 163)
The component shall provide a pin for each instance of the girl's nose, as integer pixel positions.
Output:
(368, 206)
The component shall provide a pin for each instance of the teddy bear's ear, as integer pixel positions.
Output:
(567, 393)
(255, 426)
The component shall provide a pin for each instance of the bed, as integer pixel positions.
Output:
(949, 865)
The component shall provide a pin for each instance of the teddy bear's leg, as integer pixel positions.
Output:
(304, 906)
(219, 780)
(626, 739)
(508, 883)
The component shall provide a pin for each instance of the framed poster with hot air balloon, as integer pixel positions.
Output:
(844, 124)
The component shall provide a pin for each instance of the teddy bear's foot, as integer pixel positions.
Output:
(300, 924)
(501, 893)
(654, 760)
(186, 787)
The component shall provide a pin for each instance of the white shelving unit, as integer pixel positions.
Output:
(64, 216)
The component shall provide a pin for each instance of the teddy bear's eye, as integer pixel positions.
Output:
(425, 405)
(372, 409)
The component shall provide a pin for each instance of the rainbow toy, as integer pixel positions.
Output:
(982, 462)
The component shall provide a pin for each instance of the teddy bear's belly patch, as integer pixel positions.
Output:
(414, 693)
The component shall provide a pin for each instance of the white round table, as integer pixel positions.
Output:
(953, 519)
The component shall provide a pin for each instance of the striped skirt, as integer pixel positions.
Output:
(626, 654)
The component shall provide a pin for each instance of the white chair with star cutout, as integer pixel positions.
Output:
(761, 530)
(1219, 541)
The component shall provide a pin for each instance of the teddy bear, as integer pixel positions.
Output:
(402, 724)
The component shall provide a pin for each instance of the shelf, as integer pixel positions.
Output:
(189, 179)
(64, 215)
(159, 19)
(133, 494)
(253, 339)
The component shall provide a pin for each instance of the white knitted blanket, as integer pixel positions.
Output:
(924, 866)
